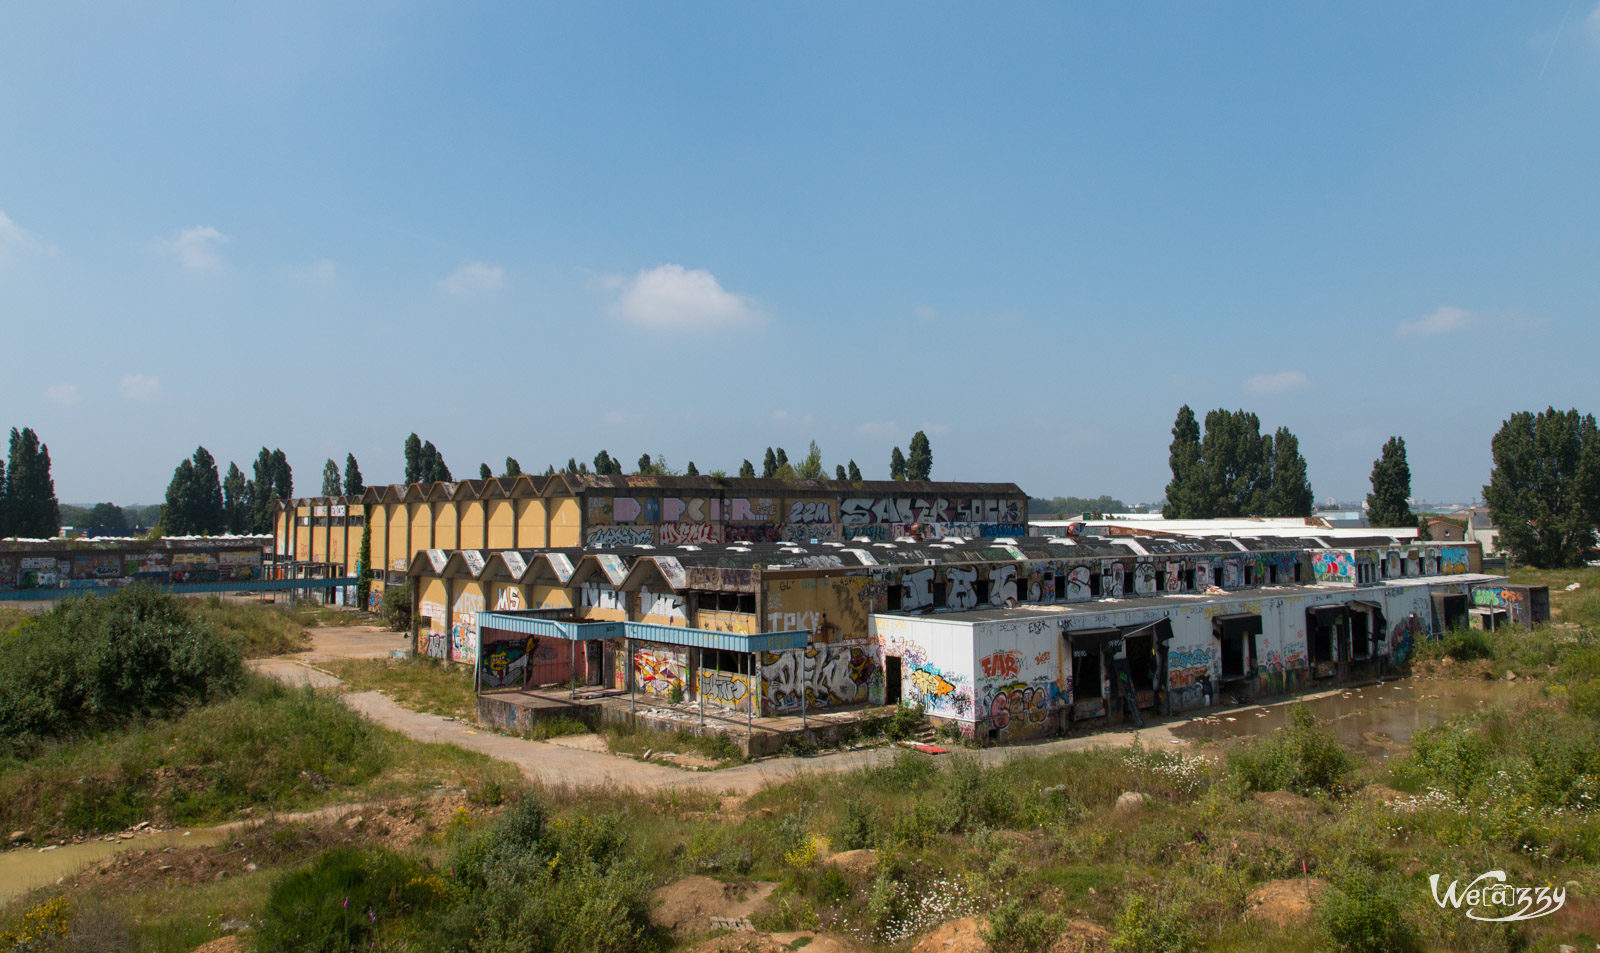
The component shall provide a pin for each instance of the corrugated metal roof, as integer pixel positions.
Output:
(643, 632)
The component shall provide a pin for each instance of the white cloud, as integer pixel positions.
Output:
(320, 273)
(675, 298)
(141, 387)
(1593, 22)
(1276, 383)
(925, 313)
(64, 395)
(1445, 319)
(623, 418)
(936, 430)
(16, 240)
(196, 248)
(474, 277)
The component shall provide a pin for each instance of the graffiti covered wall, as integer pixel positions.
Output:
(820, 676)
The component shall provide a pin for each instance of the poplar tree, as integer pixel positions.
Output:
(1185, 494)
(1544, 491)
(691, 470)
(769, 466)
(194, 498)
(838, 472)
(331, 481)
(235, 502)
(1290, 494)
(811, 467)
(513, 468)
(28, 501)
(897, 465)
(413, 459)
(1388, 504)
(484, 473)
(854, 472)
(919, 463)
(353, 485)
(747, 470)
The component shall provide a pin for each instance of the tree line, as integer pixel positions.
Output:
(424, 464)
(28, 505)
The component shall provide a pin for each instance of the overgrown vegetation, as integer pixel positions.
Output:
(1039, 844)
(97, 662)
(269, 746)
(1304, 760)
(395, 607)
(419, 683)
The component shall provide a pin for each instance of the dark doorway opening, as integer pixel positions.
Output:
(891, 680)
(1237, 633)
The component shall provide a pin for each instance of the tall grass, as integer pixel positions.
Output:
(269, 745)
(257, 630)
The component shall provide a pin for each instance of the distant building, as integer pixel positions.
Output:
(1444, 530)
(1481, 531)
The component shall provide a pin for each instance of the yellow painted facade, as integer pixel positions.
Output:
(566, 522)
(502, 525)
(531, 524)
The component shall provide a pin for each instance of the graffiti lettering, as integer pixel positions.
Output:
(619, 536)
(1007, 664)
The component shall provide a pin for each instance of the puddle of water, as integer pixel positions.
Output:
(27, 868)
(1374, 718)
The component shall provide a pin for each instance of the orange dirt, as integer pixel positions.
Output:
(1284, 902)
(686, 907)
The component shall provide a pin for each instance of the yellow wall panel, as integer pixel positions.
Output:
(421, 528)
(530, 524)
(566, 522)
(501, 515)
(472, 524)
(378, 519)
(444, 525)
(398, 553)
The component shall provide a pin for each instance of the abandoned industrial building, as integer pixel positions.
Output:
(1005, 637)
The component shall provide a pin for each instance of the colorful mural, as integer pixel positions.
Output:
(657, 669)
(728, 690)
(1333, 565)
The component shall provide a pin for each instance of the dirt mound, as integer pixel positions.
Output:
(778, 943)
(395, 824)
(1286, 803)
(1284, 902)
(1382, 793)
(689, 906)
(856, 863)
(966, 936)
(224, 944)
(955, 936)
(1082, 937)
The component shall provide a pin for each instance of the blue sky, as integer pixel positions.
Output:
(701, 229)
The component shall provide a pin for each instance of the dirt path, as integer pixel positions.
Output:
(564, 765)
(577, 767)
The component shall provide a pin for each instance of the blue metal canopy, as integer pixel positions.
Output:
(643, 632)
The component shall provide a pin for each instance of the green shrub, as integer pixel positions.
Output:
(396, 607)
(541, 886)
(857, 828)
(904, 722)
(1304, 759)
(1361, 916)
(346, 897)
(1466, 645)
(1144, 926)
(97, 661)
(1023, 928)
